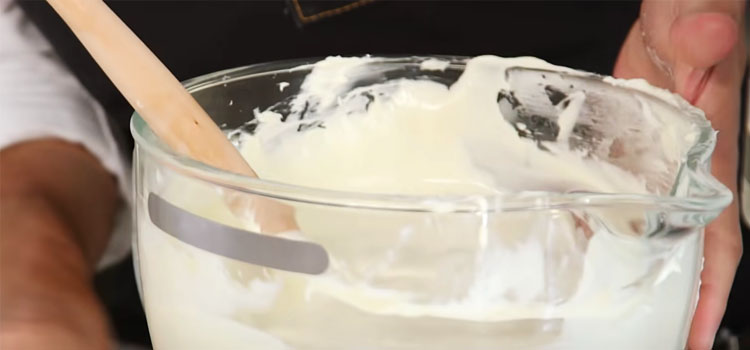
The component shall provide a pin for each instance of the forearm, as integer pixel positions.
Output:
(56, 209)
(72, 183)
(46, 281)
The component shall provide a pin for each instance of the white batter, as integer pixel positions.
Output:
(518, 280)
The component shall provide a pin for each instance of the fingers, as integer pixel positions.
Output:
(696, 48)
(723, 248)
(719, 96)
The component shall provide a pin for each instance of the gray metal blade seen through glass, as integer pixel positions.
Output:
(254, 248)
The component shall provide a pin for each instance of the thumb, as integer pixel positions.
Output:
(704, 39)
(686, 38)
(700, 41)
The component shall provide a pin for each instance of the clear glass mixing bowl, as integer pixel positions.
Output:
(367, 271)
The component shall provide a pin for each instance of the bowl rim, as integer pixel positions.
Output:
(710, 198)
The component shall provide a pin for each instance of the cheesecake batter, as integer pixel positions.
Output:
(565, 278)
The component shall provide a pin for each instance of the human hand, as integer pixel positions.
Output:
(696, 48)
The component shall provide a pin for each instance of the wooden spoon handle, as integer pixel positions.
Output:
(171, 112)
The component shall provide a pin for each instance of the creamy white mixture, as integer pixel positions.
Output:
(551, 279)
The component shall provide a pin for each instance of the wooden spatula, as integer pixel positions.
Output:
(170, 111)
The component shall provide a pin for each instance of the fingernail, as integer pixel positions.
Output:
(694, 83)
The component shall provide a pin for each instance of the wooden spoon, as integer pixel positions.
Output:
(170, 111)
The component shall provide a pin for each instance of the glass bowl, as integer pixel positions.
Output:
(534, 270)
